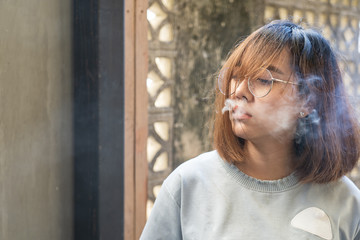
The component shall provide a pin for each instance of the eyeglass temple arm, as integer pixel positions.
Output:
(279, 80)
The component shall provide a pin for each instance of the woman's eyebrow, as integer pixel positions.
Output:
(274, 69)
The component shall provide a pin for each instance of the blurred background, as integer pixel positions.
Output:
(101, 100)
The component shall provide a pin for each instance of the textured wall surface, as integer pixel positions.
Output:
(35, 120)
(206, 32)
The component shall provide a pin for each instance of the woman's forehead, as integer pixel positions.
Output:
(281, 67)
(282, 64)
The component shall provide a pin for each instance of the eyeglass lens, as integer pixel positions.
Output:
(259, 86)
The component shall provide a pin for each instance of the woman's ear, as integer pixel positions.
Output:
(306, 108)
(303, 113)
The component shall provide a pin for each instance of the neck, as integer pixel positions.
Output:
(268, 161)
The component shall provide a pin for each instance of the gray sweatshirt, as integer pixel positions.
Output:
(208, 198)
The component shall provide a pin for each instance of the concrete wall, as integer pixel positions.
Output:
(206, 31)
(35, 120)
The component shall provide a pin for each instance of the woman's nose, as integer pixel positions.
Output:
(242, 90)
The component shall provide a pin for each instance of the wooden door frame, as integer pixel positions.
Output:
(136, 117)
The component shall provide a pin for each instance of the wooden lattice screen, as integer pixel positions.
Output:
(162, 44)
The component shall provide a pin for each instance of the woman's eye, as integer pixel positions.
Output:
(263, 81)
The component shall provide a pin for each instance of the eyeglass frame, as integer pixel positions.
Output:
(272, 83)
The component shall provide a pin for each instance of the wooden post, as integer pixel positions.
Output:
(141, 114)
(136, 117)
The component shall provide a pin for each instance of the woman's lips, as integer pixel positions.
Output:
(236, 109)
(241, 116)
(238, 114)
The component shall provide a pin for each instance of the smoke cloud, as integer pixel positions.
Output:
(278, 118)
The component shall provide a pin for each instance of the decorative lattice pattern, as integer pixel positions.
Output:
(339, 21)
(161, 39)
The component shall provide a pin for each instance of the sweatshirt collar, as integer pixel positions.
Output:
(249, 182)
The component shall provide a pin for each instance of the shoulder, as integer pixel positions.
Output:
(203, 161)
(348, 203)
(192, 172)
(343, 193)
(348, 189)
(338, 190)
(201, 164)
(342, 199)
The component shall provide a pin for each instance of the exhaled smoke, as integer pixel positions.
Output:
(232, 105)
(282, 118)
(278, 118)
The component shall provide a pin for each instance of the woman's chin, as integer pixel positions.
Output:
(239, 129)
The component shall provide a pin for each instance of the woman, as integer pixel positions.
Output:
(284, 135)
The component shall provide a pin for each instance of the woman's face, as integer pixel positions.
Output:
(273, 116)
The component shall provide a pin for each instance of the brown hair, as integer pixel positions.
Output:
(327, 140)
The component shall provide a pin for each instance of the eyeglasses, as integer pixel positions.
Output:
(259, 86)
